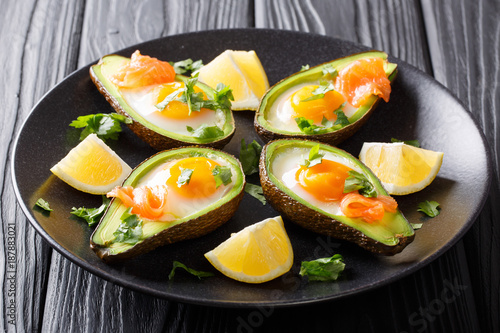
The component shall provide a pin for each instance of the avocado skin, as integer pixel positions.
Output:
(313, 220)
(333, 138)
(154, 139)
(197, 227)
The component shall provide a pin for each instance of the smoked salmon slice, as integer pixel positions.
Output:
(143, 70)
(146, 201)
(361, 79)
(370, 209)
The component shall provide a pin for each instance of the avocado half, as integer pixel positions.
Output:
(387, 236)
(149, 132)
(337, 133)
(157, 233)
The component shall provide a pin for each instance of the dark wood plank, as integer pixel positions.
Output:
(464, 41)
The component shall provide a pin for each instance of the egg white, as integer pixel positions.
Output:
(142, 100)
(287, 162)
(281, 114)
(177, 205)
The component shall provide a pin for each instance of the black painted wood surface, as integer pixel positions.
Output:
(43, 41)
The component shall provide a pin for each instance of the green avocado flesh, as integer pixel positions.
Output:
(313, 76)
(279, 156)
(199, 220)
(109, 65)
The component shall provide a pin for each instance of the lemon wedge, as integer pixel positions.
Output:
(92, 167)
(240, 70)
(259, 253)
(402, 169)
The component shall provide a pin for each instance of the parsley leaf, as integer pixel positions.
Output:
(416, 226)
(198, 274)
(430, 208)
(223, 97)
(304, 68)
(414, 143)
(91, 215)
(330, 70)
(184, 177)
(342, 119)
(307, 126)
(41, 203)
(222, 175)
(256, 192)
(315, 157)
(104, 125)
(249, 156)
(323, 269)
(358, 182)
(324, 87)
(187, 65)
(130, 229)
(205, 132)
(171, 97)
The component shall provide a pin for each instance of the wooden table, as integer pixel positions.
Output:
(43, 41)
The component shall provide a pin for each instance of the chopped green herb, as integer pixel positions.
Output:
(358, 182)
(341, 117)
(91, 215)
(414, 143)
(430, 208)
(198, 274)
(318, 93)
(222, 175)
(130, 229)
(315, 157)
(104, 125)
(304, 68)
(184, 177)
(43, 205)
(307, 126)
(187, 65)
(416, 226)
(323, 269)
(223, 97)
(256, 192)
(330, 70)
(171, 97)
(205, 132)
(249, 157)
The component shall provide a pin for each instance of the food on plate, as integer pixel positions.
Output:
(240, 70)
(401, 168)
(258, 253)
(92, 167)
(175, 195)
(328, 191)
(328, 102)
(167, 110)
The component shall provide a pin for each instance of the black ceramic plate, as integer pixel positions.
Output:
(419, 108)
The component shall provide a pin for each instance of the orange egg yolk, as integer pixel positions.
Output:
(175, 109)
(202, 182)
(316, 109)
(325, 181)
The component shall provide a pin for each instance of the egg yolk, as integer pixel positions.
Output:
(202, 182)
(325, 181)
(175, 109)
(315, 109)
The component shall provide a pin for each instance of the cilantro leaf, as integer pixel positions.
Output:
(198, 274)
(304, 68)
(130, 229)
(324, 87)
(256, 192)
(171, 97)
(416, 226)
(187, 65)
(414, 143)
(307, 126)
(91, 215)
(104, 125)
(184, 177)
(222, 175)
(358, 182)
(430, 208)
(315, 157)
(249, 156)
(342, 119)
(323, 269)
(223, 97)
(41, 203)
(205, 132)
(330, 70)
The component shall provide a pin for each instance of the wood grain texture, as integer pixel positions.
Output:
(465, 48)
